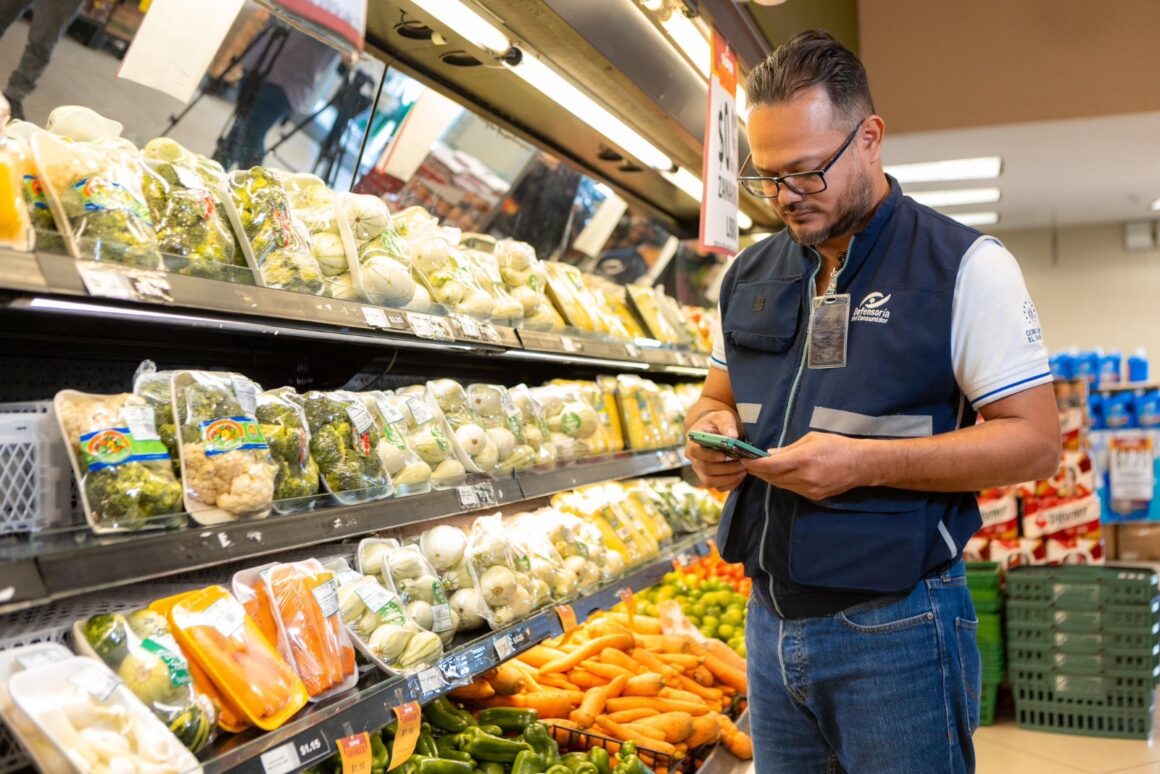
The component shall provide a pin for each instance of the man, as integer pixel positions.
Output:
(857, 346)
(50, 18)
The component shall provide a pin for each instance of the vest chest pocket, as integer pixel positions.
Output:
(764, 315)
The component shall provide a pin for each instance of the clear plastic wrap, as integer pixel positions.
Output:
(503, 421)
(580, 307)
(646, 425)
(484, 269)
(447, 275)
(535, 428)
(406, 571)
(571, 421)
(139, 649)
(123, 469)
(551, 580)
(382, 259)
(226, 465)
(578, 545)
(614, 534)
(432, 439)
(477, 452)
(502, 583)
(43, 754)
(409, 473)
(343, 441)
(645, 303)
(273, 243)
(608, 411)
(614, 298)
(94, 192)
(47, 237)
(444, 546)
(524, 277)
(283, 423)
(316, 209)
(304, 597)
(157, 391)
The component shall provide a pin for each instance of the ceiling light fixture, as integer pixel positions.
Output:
(956, 196)
(975, 218)
(980, 168)
(689, 40)
(744, 221)
(1156, 206)
(652, 5)
(742, 104)
(467, 24)
(687, 182)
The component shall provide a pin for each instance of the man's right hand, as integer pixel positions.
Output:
(715, 469)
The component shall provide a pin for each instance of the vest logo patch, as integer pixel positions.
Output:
(759, 303)
(871, 309)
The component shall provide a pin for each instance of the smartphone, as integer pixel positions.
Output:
(730, 447)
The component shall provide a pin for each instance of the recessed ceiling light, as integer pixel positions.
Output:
(956, 196)
(1156, 206)
(981, 168)
(974, 218)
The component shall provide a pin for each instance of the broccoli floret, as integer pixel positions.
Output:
(328, 447)
(129, 495)
(347, 476)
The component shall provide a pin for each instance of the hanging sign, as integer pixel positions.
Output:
(720, 168)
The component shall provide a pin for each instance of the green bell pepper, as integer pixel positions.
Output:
(491, 767)
(485, 747)
(540, 738)
(441, 766)
(578, 763)
(511, 719)
(558, 768)
(445, 715)
(380, 755)
(528, 762)
(493, 730)
(600, 758)
(425, 745)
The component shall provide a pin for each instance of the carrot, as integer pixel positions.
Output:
(642, 624)
(724, 653)
(620, 659)
(616, 687)
(628, 716)
(607, 671)
(664, 643)
(584, 680)
(705, 730)
(593, 703)
(676, 726)
(736, 741)
(587, 650)
(663, 705)
(686, 662)
(552, 704)
(644, 684)
(528, 672)
(727, 674)
(559, 682)
(703, 676)
(709, 694)
(478, 689)
(639, 730)
(604, 626)
(625, 734)
(507, 680)
(652, 663)
(678, 695)
(540, 655)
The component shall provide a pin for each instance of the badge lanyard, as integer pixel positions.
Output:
(829, 326)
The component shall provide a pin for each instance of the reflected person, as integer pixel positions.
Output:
(50, 18)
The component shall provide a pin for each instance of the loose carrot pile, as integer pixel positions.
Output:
(620, 677)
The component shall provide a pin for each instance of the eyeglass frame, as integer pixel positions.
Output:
(779, 181)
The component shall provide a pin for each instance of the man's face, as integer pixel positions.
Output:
(803, 135)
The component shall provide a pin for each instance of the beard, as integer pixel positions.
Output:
(852, 207)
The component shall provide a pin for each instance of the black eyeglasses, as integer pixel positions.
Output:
(801, 183)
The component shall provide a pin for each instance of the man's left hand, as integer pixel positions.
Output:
(817, 466)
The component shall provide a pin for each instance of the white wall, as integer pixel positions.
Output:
(1093, 293)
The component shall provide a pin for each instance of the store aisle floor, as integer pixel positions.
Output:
(1005, 748)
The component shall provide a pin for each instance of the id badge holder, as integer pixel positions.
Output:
(829, 326)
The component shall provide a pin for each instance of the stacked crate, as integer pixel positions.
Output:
(1082, 649)
(983, 582)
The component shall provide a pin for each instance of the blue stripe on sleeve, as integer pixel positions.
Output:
(1009, 386)
(718, 360)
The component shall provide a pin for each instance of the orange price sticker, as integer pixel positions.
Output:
(628, 597)
(355, 753)
(407, 735)
(567, 617)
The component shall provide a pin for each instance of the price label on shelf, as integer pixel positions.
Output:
(311, 747)
(570, 344)
(407, 734)
(468, 326)
(355, 754)
(38, 657)
(488, 332)
(375, 317)
(106, 282)
(96, 681)
(421, 325)
(455, 668)
(430, 680)
(503, 647)
(281, 760)
(567, 617)
(473, 496)
(632, 350)
(397, 320)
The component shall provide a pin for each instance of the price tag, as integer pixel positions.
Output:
(455, 668)
(628, 597)
(97, 681)
(280, 760)
(567, 617)
(481, 495)
(430, 680)
(142, 422)
(355, 754)
(440, 618)
(632, 350)
(421, 413)
(247, 394)
(348, 576)
(151, 286)
(1131, 475)
(326, 595)
(570, 344)
(397, 321)
(681, 561)
(488, 332)
(468, 326)
(519, 639)
(311, 748)
(373, 595)
(375, 317)
(407, 734)
(503, 647)
(106, 283)
(226, 615)
(421, 325)
(441, 330)
(38, 657)
(359, 417)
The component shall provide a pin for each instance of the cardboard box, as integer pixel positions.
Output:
(1138, 542)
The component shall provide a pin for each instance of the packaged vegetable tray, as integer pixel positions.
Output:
(343, 441)
(446, 273)
(502, 583)
(524, 276)
(43, 753)
(405, 571)
(283, 423)
(226, 465)
(123, 469)
(551, 580)
(213, 629)
(503, 422)
(423, 408)
(409, 472)
(445, 548)
(95, 721)
(139, 649)
(382, 265)
(535, 427)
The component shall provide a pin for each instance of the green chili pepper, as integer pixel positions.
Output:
(380, 755)
(508, 718)
(426, 745)
(528, 762)
(493, 730)
(485, 747)
(537, 735)
(442, 766)
(445, 715)
(600, 758)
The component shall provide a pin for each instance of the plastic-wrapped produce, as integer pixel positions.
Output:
(571, 421)
(414, 222)
(226, 465)
(431, 437)
(124, 470)
(614, 298)
(608, 411)
(444, 547)
(503, 585)
(485, 271)
(139, 649)
(503, 421)
(406, 571)
(187, 212)
(579, 306)
(535, 428)
(154, 387)
(409, 473)
(646, 426)
(524, 276)
(343, 441)
(274, 244)
(615, 534)
(477, 451)
(284, 425)
(447, 275)
(315, 207)
(94, 192)
(578, 545)
(647, 306)
(551, 580)
(383, 265)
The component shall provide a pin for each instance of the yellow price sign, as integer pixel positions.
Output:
(567, 617)
(407, 736)
(355, 754)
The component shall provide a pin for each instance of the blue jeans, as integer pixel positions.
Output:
(888, 686)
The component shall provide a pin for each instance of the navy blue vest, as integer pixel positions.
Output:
(898, 382)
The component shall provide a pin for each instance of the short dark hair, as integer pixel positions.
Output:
(813, 58)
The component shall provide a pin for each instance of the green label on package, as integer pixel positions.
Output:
(569, 422)
(166, 649)
(231, 434)
(115, 446)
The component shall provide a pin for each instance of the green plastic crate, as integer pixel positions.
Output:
(1040, 657)
(1044, 635)
(983, 576)
(1085, 721)
(988, 700)
(1109, 689)
(1083, 588)
(987, 606)
(1122, 618)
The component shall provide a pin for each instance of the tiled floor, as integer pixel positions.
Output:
(1007, 749)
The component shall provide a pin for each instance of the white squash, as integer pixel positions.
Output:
(386, 280)
(367, 215)
(329, 252)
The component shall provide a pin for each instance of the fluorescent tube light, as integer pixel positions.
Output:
(974, 218)
(689, 40)
(687, 182)
(956, 196)
(467, 24)
(1156, 206)
(744, 221)
(980, 168)
(742, 104)
(561, 91)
